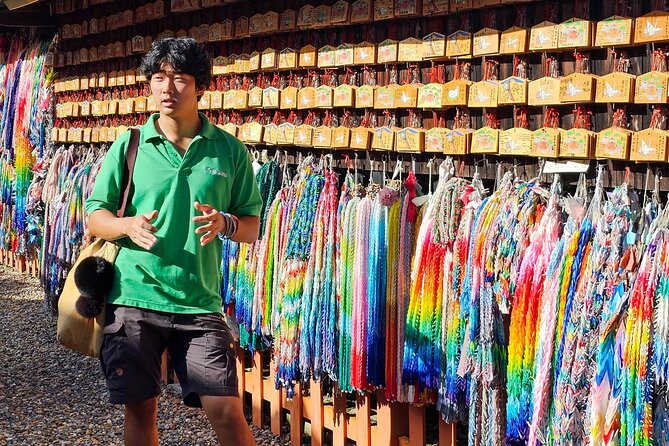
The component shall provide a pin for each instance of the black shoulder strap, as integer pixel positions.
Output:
(130, 157)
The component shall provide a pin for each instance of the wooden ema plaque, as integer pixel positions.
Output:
(457, 92)
(326, 56)
(410, 50)
(362, 11)
(649, 145)
(341, 13)
(577, 88)
(512, 91)
(615, 88)
(384, 9)
(458, 141)
(286, 134)
(361, 138)
(408, 8)
(303, 135)
(483, 94)
(387, 51)
(515, 141)
(383, 138)
(289, 98)
(432, 96)
(255, 97)
(545, 143)
(305, 16)
(220, 65)
(544, 91)
(231, 129)
(323, 98)
(435, 7)
(344, 96)
(364, 96)
(288, 20)
(254, 132)
(486, 42)
(652, 27)
(270, 22)
(409, 139)
(255, 24)
(434, 46)
(269, 137)
(613, 143)
(268, 59)
(322, 16)
(614, 31)
(485, 140)
(651, 88)
(344, 55)
(341, 137)
(288, 59)
(216, 100)
(406, 96)
(460, 5)
(306, 98)
(435, 140)
(271, 98)
(575, 33)
(459, 44)
(577, 143)
(322, 137)
(544, 36)
(248, 63)
(364, 54)
(384, 97)
(308, 57)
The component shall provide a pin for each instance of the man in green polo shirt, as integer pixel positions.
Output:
(192, 185)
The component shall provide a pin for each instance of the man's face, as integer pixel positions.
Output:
(175, 93)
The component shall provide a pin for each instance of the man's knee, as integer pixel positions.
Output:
(224, 411)
(143, 411)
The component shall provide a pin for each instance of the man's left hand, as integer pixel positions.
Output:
(213, 223)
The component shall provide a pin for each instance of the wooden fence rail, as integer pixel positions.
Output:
(371, 421)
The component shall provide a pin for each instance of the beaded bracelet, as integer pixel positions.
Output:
(231, 225)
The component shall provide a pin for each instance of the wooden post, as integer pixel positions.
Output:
(21, 264)
(339, 415)
(257, 395)
(417, 426)
(446, 433)
(296, 421)
(274, 397)
(363, 420)
(317, 428)
(391, 418)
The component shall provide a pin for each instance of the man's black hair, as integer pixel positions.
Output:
(184, 54)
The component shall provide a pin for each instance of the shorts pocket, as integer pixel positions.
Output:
(113, 356)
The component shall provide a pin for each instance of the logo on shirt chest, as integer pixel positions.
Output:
(212, 171)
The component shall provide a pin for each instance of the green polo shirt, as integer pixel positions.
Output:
(177, 275)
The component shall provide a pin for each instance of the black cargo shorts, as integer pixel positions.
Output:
(200, 346)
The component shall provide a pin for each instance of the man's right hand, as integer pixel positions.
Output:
(140, 230)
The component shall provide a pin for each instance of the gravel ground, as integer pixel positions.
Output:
(51, 396)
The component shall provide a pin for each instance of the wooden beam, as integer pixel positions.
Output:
(363, 420)
(446, 433)
(339, 417)
(296, 421)
(317, 426)
(257, 386)
(417, 433)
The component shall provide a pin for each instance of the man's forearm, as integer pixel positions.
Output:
(106, 225)
(247, 230)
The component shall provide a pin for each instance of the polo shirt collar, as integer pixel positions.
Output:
(149, 130)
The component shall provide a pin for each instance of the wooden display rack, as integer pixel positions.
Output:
(397, 424)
